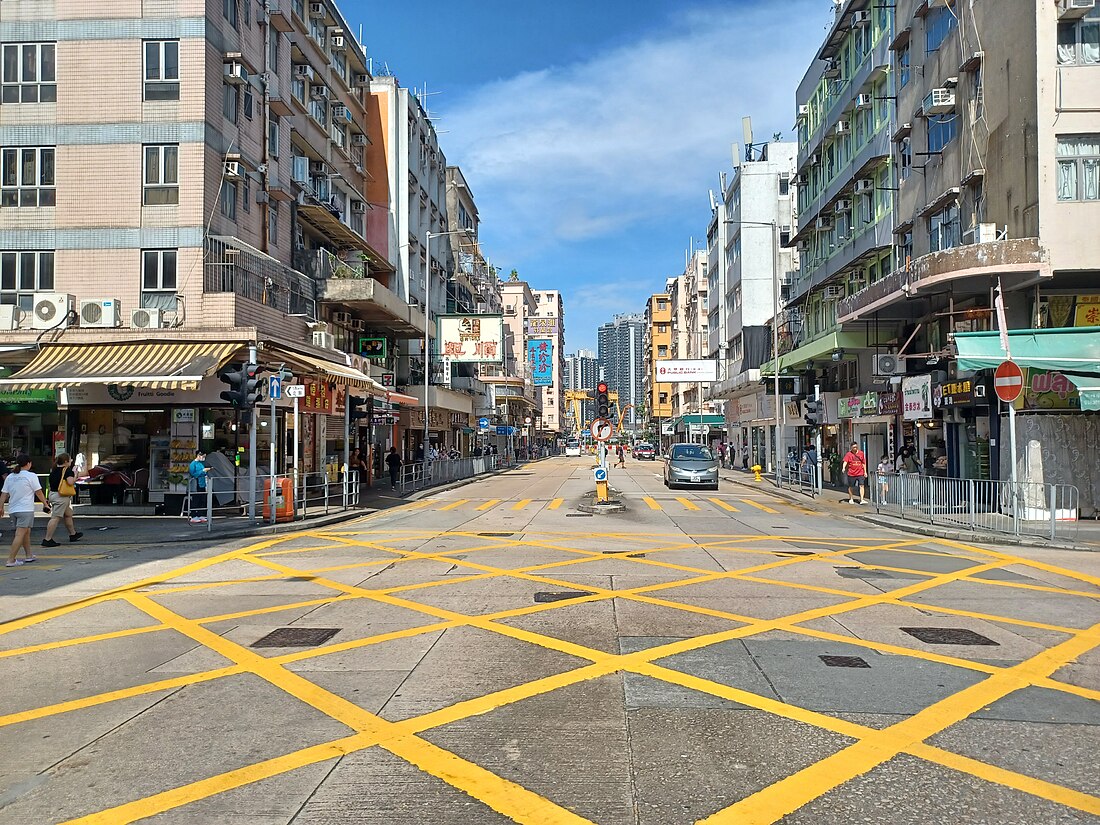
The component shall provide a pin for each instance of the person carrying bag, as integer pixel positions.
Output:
(62, 491)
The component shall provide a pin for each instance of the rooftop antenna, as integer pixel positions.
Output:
(746, 129)
(736, 148)
(713, 205)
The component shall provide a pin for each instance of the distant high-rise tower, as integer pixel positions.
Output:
(622, 360)
(582, 372)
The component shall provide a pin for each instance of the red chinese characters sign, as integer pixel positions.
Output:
(318, 398)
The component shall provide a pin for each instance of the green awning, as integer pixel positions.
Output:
(1074, 351)
(709, 419)
(820, 349)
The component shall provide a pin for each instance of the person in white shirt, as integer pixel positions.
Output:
(21, 488)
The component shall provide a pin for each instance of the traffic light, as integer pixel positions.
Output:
(814, 410)
(243, 384)
(358, 408)
(603, 404)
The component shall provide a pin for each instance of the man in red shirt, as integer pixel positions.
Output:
(855, 465)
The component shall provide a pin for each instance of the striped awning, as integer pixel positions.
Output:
(175, 365)
(339, 373)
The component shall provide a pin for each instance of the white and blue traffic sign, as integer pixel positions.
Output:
(600, 473)
(483, 423)
(275, 387)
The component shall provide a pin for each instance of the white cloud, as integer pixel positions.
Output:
(575, 152)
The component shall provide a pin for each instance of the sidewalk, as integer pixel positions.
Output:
(834, 502)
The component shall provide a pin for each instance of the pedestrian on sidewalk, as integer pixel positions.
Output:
(196, 472)
(62, 490)
(809, 464)
(393, 461)
(620, 453)
(21, 488)
(722, 454)
(855, 466)
(882, 473)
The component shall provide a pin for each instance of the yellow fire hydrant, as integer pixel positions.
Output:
(756, 468)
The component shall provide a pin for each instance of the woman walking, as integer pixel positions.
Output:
(21, 488)
(62, 490)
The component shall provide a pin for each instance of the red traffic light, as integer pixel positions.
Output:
(601, 387)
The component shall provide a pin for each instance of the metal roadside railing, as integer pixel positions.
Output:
(447, 470)
(979, 505)
(798, 478)
(278, 498)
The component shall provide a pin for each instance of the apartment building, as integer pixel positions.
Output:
(582, 373)
(173, 192)
(997, 149)
(749, 240)
(516, 400)
(658, 343)
(546, 339)
(621, 348)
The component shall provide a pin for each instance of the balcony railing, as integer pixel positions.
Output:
(234, 266)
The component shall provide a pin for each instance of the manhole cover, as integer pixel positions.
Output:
(635, 555)
(844, 661)
(296, 637)
(560, 596)
(578, 515)
(497, 535)
(948, 636)
(793, 552)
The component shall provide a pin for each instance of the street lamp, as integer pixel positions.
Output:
(774, 226)
(427, 327)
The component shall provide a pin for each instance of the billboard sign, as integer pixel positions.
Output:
(540, 359)
(540, 327)
(916, 394)
(471, 339)
(686, 371)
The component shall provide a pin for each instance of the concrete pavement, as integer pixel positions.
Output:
(490, 654)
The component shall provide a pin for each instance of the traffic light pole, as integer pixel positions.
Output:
(817, 439)
(253, 429)
(273, 435)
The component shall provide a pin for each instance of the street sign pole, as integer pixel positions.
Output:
(1008, 383)
(817, 438)
(272, 435)
(297, 448)
(253, 430)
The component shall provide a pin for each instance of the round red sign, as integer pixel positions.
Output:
(1008, 381)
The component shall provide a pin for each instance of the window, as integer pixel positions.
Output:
(229, 11)
(247, 102)
(273, 136)
(227, 202)
(905, 157)
(1079, 43)
(246, 194)
(162, 70)
(273, 223)
(22, 274)
(300, 9)
(903, 66)
(662, 305)
(662, 329)
(1079, 168)
(30, 73)
(27, 177)
(662, 352)
(158, 279)
(905, 249)
(941, 131)
(737, 296)
(943, 228)
(737, 349)
(246, 7)
(937, 25)
(162, 183)
(784, 185)
(231, 102)
(273, 51)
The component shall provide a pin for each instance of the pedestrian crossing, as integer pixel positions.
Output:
(671, 504)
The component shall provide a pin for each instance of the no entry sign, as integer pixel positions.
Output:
(1008, 381)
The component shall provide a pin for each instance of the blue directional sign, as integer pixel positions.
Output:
(600, 473)
(504, 430)
(483, 423)
(275, 387)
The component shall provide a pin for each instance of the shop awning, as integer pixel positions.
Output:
(340, 373)
(174, 365)
(401, 398)
(1074, 351)
(820, 349)
(709, 419)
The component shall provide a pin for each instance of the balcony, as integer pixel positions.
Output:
(230, 265)
(349, 285)
(1019, 264)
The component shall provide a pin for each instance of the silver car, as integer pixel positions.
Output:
(691, 465)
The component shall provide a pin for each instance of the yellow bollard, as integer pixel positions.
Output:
(602, 495)
(756, 468)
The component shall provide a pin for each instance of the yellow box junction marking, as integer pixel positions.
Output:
(759, 506)
(728, 507)
(688, 503)
(490, 504)
(651, 503)
(556, 503)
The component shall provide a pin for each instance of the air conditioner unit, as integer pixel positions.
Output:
(339, 111)
(815, 158)
(887, 364)
(939, 102)
(865, 186)
(317, 167)
(842, 205)
(358, 207)
(342, 318)
(861, 18)
(358, 140)
(833, 292)
(1072, 9)
(10, 315)
(232, 170)
(843, 127)
(318, 92)
(804, 110)
(235, 73)
(316, 9)
(832, 70)
(51, 309)
(824, 222)
(304, 70)
(146, 319)
(802, 246)
(324, 340)
(337, 41)
(100, 312)
(362, 79)
(356, 325)
(865, 101)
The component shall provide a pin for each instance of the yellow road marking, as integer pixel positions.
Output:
(490, 504)
(688, 503)
(519, 505)
(763, 507)
(556, 503)
(651, 503)
(454, 504)
(728, 507)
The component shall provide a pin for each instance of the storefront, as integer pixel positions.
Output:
(965, 407)
(923, 429)
(29, 423)
(868, 420)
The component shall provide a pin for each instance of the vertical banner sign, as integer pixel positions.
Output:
(540, 357)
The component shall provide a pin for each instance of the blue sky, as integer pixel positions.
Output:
(591, 130)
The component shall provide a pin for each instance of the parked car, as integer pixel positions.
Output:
(644, 451)
(691, 465)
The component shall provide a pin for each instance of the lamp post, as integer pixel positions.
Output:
(427, 334)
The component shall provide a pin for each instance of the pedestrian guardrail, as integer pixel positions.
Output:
(799, 478)
(274, 498)
(447, 470)
(980, 505)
